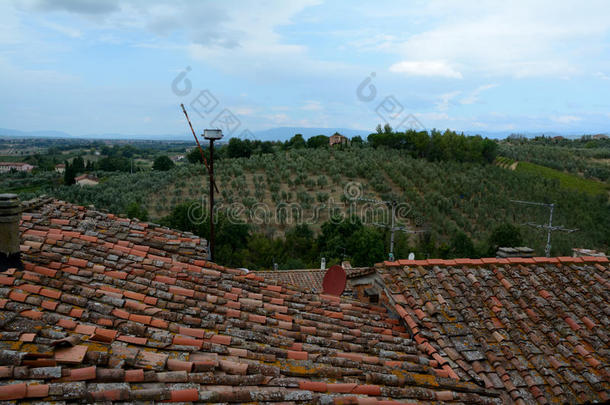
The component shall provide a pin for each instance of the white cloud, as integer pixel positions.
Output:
(243, 110)
(63, 29)
(281, 108)
(602, 75)
(473, 97)
(426, 68)
(10, 26)
(278, 119)
(371, 41)
(432, 116)
(312, 106)
(566, 119)
(78, 7)
(250, 33)
(445, 100)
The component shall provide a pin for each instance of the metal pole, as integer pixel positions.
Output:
(392, 229)
(211, 199)
(547, 250)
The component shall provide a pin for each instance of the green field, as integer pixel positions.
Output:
(566, 180)
(11, 158)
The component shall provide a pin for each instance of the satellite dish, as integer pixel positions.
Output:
(411, 256)
(334, 281)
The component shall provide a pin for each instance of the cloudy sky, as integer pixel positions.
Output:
(108, 67)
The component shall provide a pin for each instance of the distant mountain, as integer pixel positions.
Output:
(59, 134)
(504, 134)
(141, 137)
(39, 134)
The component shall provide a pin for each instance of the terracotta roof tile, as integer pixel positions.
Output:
(74, 354)
(13, 391)
(184, 341)
(85, 329)
(77, 262)
(179, 365)
(220, 339)
(134, 375)
(186, 395)
(6, 280)
(37, 390)
(80, 374)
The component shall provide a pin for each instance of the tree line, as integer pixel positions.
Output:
(239, 245)
(433, 145)
(436, 146)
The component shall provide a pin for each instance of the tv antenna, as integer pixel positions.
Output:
(393, 227)
(211, 135)
(549, 227)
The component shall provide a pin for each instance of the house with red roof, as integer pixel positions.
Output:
(87, 180)
(337, 139)
(16, 166)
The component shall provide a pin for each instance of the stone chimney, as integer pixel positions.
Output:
(10, 215)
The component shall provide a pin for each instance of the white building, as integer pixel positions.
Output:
(86, 180)
(6, 167)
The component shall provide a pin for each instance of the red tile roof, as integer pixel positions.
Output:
(113, 330)
(539, 329)
(86, 176)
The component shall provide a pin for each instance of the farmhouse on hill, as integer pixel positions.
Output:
(337, 139)
(86, 180)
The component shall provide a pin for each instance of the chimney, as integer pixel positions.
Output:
(10, 215)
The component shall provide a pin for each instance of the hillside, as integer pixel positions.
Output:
(443, 198)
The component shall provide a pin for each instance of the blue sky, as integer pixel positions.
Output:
(107, 67)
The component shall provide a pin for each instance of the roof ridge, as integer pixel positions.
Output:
(494, 260)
